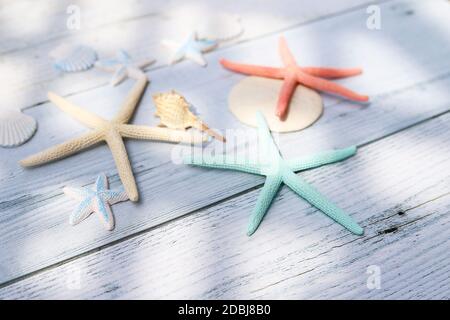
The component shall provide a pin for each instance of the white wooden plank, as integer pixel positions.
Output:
(397, 188)
(33, 209)
(413, 263)
(28, 23)
(137, 26)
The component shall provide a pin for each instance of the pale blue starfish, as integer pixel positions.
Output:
(278, 171)
(123, 66)
(98, 199)
(190, 48)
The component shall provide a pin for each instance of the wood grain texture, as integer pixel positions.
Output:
(34, 212)
(27, 23)
(30, 30)
(397, 188)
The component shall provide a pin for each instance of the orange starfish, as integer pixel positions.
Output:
(292, 75)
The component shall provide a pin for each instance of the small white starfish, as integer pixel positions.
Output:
(98, 199)
(123, 66)
(190, 48)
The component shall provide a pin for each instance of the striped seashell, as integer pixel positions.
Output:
(73, 58)
(173, 110)
(16, 128)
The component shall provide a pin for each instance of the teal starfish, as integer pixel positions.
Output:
(278, 171)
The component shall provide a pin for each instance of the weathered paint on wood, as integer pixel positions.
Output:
(408, 80)
(397, 188)
(30, 30)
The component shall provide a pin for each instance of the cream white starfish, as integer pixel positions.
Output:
(190, 48)
(112, 132)
(97, 200)
(123, 66)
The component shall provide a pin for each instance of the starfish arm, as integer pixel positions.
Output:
(328, 86)
(178, 51)
(161, 134)
(63, 150)
(84, 210)
(331, 73)
(115, 196)
(265, 198)
(314, 197)
(321, 159)
(104, 213)
(286, 55)
(101, 184)
(196, 56)
(144, 63)
(223, 162)
(76, 193)
(259, 71)
(284, 98)
(87, 118)
(176, 56)
(123, 56)
(119, 75)
(206, 45)
(123, 165)
(131, 101)
(135, 73)
(109, 65)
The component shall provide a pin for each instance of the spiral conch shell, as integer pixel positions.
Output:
(173, 110)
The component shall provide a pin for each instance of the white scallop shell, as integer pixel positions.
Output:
(16, 128)
(73, 58)
(220, 26)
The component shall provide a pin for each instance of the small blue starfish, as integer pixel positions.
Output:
(278, 171)
(98, 199)
(190, 48)
(123, 66)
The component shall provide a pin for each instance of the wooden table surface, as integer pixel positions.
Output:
(186, 238)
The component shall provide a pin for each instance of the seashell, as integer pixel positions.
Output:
(173, 110)
(16, 128)
(73, 58)
(222, 26)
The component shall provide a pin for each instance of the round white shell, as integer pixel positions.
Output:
(253, 94)
(16, 128)
(73, 58)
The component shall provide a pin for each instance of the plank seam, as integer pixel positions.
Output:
(262, 36)
(70, 35)
(378, 235)
(141, 232)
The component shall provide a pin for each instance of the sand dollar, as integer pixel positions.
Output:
(254, 94)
